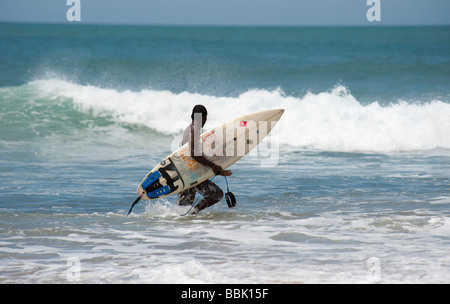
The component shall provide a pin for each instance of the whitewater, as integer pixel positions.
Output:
(330, 121)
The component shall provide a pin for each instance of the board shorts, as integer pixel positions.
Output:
(208, 189)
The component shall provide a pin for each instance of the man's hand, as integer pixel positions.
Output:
(218, 170)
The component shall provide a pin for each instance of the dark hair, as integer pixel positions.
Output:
(199, 109)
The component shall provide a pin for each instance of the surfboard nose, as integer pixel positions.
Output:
(276, 114)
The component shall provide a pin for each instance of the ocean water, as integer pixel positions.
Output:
(352, 186)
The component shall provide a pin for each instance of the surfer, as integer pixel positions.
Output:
(211, 192)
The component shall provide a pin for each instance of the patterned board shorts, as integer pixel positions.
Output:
(208, 189)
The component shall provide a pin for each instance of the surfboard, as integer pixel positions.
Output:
(223, 145)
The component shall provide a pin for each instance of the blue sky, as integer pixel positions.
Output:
(229, 12)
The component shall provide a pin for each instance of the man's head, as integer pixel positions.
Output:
(199, 111)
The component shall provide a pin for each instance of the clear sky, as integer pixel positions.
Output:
(230, 12)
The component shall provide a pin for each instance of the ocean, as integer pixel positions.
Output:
(352, 186)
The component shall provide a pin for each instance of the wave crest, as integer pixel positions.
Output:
(331, 121)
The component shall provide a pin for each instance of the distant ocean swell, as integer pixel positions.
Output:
(332, 121)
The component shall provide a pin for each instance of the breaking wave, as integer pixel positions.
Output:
(332, 121)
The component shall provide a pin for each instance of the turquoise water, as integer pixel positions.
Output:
(358, 167)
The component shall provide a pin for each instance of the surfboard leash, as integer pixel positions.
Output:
(193, 205)
(135, 202)
(229, 197)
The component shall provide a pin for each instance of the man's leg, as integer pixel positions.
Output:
(186, 197)
(211, 194)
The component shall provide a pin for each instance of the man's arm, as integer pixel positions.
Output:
(198, 156)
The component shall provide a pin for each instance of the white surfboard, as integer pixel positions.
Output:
(223, 145)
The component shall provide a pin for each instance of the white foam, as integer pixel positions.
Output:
(332, 121)
(332, 247)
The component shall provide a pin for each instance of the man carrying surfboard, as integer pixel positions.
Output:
(189, 167)
(211, 192)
